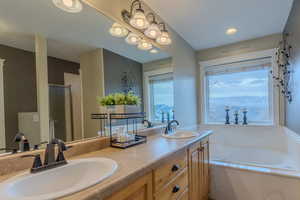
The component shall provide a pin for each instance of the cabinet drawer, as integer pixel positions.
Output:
(175, 188)
(169, 170)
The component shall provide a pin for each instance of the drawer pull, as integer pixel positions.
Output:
(176, 189)
(175, 168)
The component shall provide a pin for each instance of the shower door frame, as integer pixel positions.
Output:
(2, 108)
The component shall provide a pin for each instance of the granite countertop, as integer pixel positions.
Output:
(132, 163)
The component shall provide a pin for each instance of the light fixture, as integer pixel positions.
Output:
(118, 30)
(72, 6)
(153, 51)
(231, 31)
(145, 31)
(164, 37)
(132, 39)
(136, 16)
(144, 45)
(153, 30)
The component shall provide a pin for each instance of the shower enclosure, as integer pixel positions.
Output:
(61, 112)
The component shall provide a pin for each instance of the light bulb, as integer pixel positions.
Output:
(132, 39)
(153, 31)
(72, 6)
(144, 45)
(138, 20)
(164, 38)
(68, 3)
(118, 30)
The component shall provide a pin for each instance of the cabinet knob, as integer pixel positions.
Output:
(176, 189)
(175, 168)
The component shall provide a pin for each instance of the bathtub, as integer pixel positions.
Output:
(254, 163)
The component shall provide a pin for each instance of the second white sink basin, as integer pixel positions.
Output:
(180, 135)
(58, 182)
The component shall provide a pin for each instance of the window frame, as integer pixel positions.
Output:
(147, 85)
(276, 100)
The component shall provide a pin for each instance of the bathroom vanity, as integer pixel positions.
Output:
(161, 169)
(182, 175)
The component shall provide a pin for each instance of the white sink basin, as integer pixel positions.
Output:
(58, 182)
(180, 135)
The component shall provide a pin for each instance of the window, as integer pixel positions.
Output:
(161, 96)
(243, 85)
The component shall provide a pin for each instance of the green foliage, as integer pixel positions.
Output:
(119, 99)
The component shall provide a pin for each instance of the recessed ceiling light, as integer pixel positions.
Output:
(231, 31)
(72, 6)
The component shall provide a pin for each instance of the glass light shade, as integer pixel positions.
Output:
(164, 39)
(153, 51)
(132, 39)
(153, 31)
(139, 20)
(118, 30)
(144, 45)
(73, 6)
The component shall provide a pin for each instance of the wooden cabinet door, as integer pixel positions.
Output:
(204, 166)
(194, 172)
(139, 190)
(199, 171)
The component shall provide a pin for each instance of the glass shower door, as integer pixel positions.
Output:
(60, 110)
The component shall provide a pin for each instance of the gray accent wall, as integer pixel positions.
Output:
(293, 28)
(20, 94)
(114, 68)
(57, 67)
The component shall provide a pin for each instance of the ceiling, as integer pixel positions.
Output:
(203, 23)
(69, 35)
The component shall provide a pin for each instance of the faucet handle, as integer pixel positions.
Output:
(60, 156)
(37, 160)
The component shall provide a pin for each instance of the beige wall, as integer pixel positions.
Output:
(263, 43)
(92, 73)
(183, 57)
(158, 64)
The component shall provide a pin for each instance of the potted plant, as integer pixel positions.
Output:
(120, 103)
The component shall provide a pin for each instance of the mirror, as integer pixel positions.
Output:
(84, 61)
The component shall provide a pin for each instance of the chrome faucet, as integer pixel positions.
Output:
(169, 127)
(149, 124)
(50, 152)
(50, 160)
